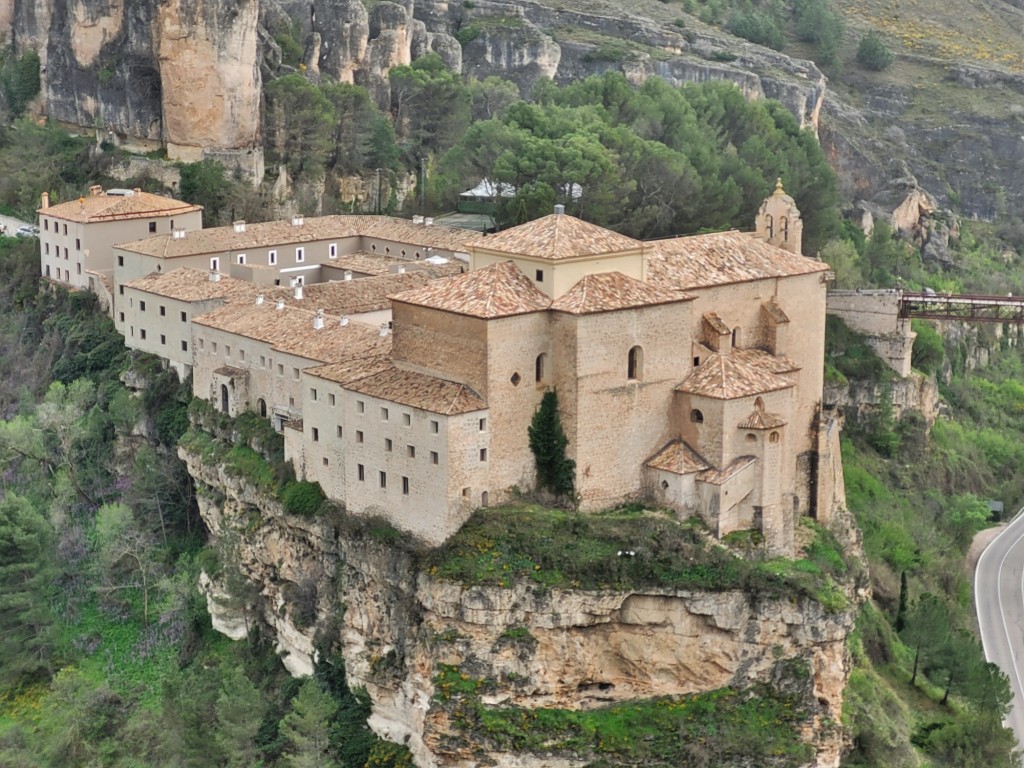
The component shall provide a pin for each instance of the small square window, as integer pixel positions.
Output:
(326, 461)
(483, 425)
(163, 311)
(341, 432)
(405, 486)
(434, 458)
(316, 435)
(407, 419)
(388, 445)
(696, 362)
(291, 401)
(434, 426)
(120, 316)
(359, 435)
(483, 454)
(152, 227)
(184, 317)
(411, 450)
(184, 346)
(330, 399)
(360, 406)
(142, 306)
(142, 333)
(539, 277)
(384, 414)
(465, 493)
(241, 258)
(383, 477)
(361, 472)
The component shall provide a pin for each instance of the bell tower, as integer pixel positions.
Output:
(778, 221)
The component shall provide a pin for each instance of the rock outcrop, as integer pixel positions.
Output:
(401, 627)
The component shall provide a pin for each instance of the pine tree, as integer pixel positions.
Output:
(307, 728)
(239, 711)
(555, 471)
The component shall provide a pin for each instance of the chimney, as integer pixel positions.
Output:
(137, 191)
(428, 221)
(318, 321)
(95, 190)
(280, 303)
(239, 226)
(417, 219)
(298, 292)
(259, 299)
(297, 220)
(44, 200)
(559, 209)
(383, 329)
(348, 274)
(214, 277)
(178, 234)
(344, 320)
(401, 270)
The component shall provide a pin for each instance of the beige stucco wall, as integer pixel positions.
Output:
(558, 276)
(167, 322)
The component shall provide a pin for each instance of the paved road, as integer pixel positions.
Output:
(999, 598)
(12, 224)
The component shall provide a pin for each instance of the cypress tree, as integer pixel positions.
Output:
(555, 471)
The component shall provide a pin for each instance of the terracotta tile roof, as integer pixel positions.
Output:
(367, 263)
(762, 420)
(727, 377)
(608, 291)
(291, 330)
(283, 233)
(500, 290)
(231, 372)
(715, 476)
(187, 284)
(419, 390)
(364, 294)
(679, 458)
(558, 236)
(774, 312)
(758, 357)
(715, 323)
(700, 261)
(348, 371)
(106, 207)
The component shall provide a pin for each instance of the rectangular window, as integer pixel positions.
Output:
(434, 426)
(411, 451)
(213, 347)
(120, 317)
(46, 247)
(227, 350)
(330, 399)
(312, 393)
(241, 258)
(405, 486)
(341, 432)
(184, 346)
(360, 406)
(361, 472)
(316, 435)
(384, 414)
(434, 457)
(263, 361)
(46, 224)
(214, 264)
(120, 290)
(300, 255)
(483, 425)
(383, 476)
(271, 258)
(483, 454)
(407, 419)
(332, 250)
(78, 244)
(163, 311)
(359, 435)
(142, 333)
(202, 344)
(539, 276)
(184, 317)
(120, 261)
(142, 306)
(78, 268)
(65, 229)
(295, 373)
(152, 227)
(163, 339)
(241, 354)
(280, 369)
(325, 461)
(388, 445)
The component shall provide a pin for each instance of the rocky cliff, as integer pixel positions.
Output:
(408, 637)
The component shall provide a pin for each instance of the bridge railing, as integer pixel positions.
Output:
(963, 307)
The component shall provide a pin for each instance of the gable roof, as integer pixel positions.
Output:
(418, 390)
(762, 420)
(131, 204)
(715, 476)
(718, 258)
(499, 290)
(609, 291)
(728, 377)
(679, 458)
(188, 284)
(554, 237)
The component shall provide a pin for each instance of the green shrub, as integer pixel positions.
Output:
(873, 54)
(302, 498)
(757, 27)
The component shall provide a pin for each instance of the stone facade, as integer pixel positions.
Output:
(875, 313)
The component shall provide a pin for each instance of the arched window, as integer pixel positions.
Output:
(696, 416)
(769, 225)
(785, 229)
(261, 407)
(751, 437)
(224, 398)
(539, 366)
(773, 437)
(635, 364)
(759, 405)
(484, 498)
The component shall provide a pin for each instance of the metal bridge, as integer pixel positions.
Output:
(963, 307)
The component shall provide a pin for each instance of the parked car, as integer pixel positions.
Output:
(27, 230)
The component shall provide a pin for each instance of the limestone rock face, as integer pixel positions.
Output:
(559, 648)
